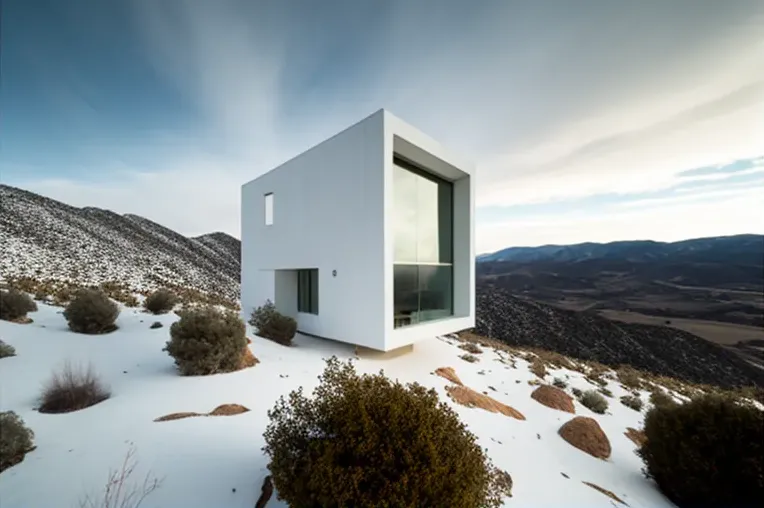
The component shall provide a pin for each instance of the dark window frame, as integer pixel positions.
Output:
(307, 291)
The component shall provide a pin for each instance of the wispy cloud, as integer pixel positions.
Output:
(556, 102)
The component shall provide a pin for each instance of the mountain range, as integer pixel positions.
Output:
(46, 239)
(731, 249)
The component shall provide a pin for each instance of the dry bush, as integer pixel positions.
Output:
(471, 347)
(14, 305)
(706, 452)
(119, 491)
(6, 350)
(469, 358)
(366, 441)
(72, 389)
(630, 377)
(632, 401)
(560, 383)
(537, 368)
(16, 439)
(604, 391)
(160, 301)
(660, 398)
(207, 341)
(270, 324)
(594, 401)
(91, 312)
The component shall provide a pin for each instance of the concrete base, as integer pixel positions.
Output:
(373, 354)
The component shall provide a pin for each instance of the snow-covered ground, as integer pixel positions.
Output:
(217, 461)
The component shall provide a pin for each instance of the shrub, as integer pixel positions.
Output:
(366, 441)
(92, 312)
(207, 341)
(576, 392)
(72, 389)
(706, 452)
(270, 324)
(155, 325)
(605, 392)
(660, 398)
(632, 401)
(14, 305)
(594, 401)
(560, 383)
(15, 439)
(120, 491)
(160, 301)
(471, 348)
(6, 350)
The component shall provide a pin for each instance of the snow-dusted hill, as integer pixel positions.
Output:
(49, 240)
(217, 461)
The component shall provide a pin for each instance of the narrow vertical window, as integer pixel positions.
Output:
(269, 209)
(307, 291)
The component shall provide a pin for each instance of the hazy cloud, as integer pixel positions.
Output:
(554, 101)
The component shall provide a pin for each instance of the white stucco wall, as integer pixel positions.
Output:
(327, 214)
(332, 211)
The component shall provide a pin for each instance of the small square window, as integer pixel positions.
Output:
(269, 209)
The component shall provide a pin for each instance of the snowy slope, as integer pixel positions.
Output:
(49, 240)
(217, 461)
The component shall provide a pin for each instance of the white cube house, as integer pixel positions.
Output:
(366, 238)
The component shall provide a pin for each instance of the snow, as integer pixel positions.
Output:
(217, 461)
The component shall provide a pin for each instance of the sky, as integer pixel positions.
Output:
(594, 120)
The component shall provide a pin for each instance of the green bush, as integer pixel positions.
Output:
(14, 305)
(206, 340)
(560, 383)
(706, 452)
(365, 441)
(269, 323)
(576, 392)
(632, 401)
(91, 312)
(160, 301)
(594, 401)
(15, 439)
(6, 350)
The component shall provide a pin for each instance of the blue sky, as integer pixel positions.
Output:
(588, 121)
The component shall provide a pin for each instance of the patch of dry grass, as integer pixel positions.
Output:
(469, 358)
(608, 493)
(222, 410)
(636, 436)
(450, 374)
(470, 398)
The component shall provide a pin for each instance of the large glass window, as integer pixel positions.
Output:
(307, 291)
(423, 245)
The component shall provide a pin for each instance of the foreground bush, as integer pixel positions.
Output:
(92, 312)
(6, 350)
(365, 441)
(15, 439)
(72, 389)
(14, 305)
(160, 301)
(207, 341)
(270, 324)
(708, 452)
(594, 401)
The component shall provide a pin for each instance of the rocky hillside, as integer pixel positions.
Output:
(49, 240)
(586, 335)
